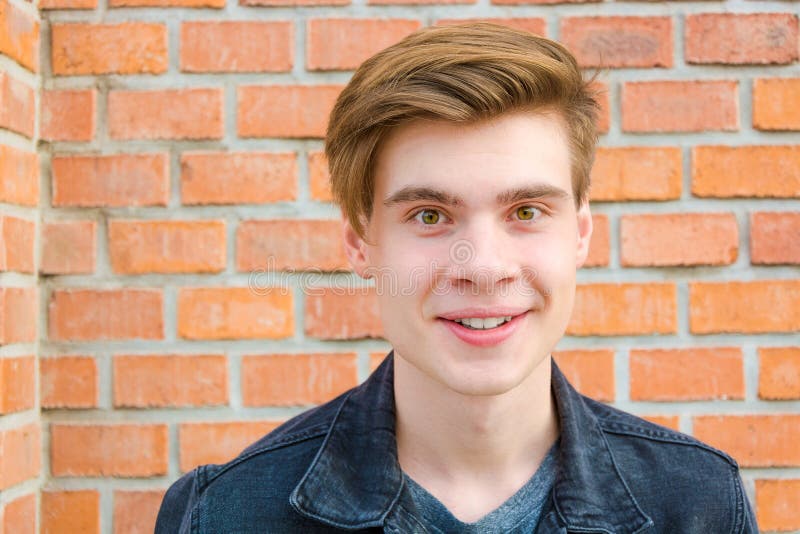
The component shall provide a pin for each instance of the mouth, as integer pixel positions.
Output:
(484, 333)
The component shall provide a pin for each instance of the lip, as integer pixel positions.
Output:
(485, 338)
(482, 313)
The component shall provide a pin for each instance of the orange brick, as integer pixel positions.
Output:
(125, 48)
(343, 44)
(171, 114)
(237, 46)
(19, 176)
(290, 244)
(329, 313)
(599, 248)
(636, 173)
(67, 4)
(602, 98)
(680, 106)
(775, 237)
(235, 312)
(419, 2)
(296, 379)
(294, 3)
(19, 35)
(218, 443)
(779, 373)
(744, 307)
(619, 41)
(238, 177)
(669, 421)
(536, 25)
(624, 309)
(319, 177)
(775, 104)
(736, 38)
(95, 314)
(135, 512)
(17, 237)
(776, 504)
(18, 314)
(727, 171)
(19, 515)
(541, 2)
(375, 359)
(121, 450)
(17, 106)
(68, 382)
(168, 246)
(20, 454)
(687, 374)
(167, 3)
(17, 384)
(147, 381)
(69, 247)
(753, 440)
(68, 115)
(113, 180)
(590, 371)
(678, 239)
(68, 512)
(284, 111)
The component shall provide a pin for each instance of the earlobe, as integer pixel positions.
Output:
(355, 248)
(585, 229)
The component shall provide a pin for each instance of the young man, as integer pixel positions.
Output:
(461, 158)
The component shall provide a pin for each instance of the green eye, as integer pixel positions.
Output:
(526, 213)
(430, 216)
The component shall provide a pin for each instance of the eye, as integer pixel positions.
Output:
(527, 212)
(427, 216)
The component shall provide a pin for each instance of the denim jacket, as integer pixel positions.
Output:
(334, 468)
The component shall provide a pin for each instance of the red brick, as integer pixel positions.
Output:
(68, 512)
(624, 309)
(752, 38)
(375, 359)
(135, 512)
(753, 440)
(674, 239)
(535, 25)
(319, 177)
(111, 181)
(636, 173)
(237, 46)
(419, 2)
(125, 48)
(669, 421)
(744, 307)
(602, 97)
(619, 41)
(680, 106)
(17, 384)
(235, 312)
(542, 2)
(218, 4)
(120, 450)
(290, 244)
(779, 373)
(171, 114)
(68, 382)
(166, 246)
(775, 238)
(599, 248)
(294, 3)
(284, 111)
(775, 104)
(17, 106)
(19, 516)
(329, 313)
(148, 381)
(95, 314)
(296, 379)
(68, 115)
(687, 374)
(19, 35)
(20, 454)
(238, 177)
(591, 372)
(19, 176)
(18, 314)
(729, 171)
(69, 247)
(17, 237)
(343, 44)
(218, 443)
(776, 504)
(67, 4)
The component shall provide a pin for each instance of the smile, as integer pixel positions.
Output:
(484, 332)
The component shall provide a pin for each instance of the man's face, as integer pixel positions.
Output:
(473, 220)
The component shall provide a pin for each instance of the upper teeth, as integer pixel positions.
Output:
(487, 322)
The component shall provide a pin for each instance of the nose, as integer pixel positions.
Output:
(482, 258)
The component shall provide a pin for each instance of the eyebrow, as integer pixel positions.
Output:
(412, 193)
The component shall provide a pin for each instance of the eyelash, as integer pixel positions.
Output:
(412, 217)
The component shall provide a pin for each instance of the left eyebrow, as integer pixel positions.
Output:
(414, 193)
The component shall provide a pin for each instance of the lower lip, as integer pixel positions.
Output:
(485, 338)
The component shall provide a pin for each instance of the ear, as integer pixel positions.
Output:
(355, 248)
(584, 233)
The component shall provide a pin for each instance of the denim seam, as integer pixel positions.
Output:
(738, 491)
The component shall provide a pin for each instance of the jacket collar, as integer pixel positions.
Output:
(351, 484)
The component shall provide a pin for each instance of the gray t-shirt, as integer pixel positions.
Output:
(520, 513)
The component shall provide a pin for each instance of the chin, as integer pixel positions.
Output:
(482, 381)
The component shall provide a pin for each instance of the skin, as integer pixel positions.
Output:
(473, 423)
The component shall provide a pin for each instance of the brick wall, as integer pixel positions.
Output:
(153, 310)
